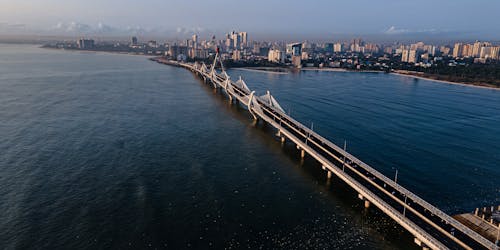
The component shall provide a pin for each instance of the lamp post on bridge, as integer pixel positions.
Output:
(396, 176)
(404, 207)
(343, 162)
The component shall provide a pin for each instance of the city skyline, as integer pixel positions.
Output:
(269, 19)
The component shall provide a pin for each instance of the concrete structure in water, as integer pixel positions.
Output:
(431, 227)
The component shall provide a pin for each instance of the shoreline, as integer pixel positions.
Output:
(446, 82)
(422, 77)
(101, 51)
(285, 71)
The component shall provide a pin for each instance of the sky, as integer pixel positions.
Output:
(260, 18)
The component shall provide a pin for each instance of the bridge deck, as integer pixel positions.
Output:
(427, 223)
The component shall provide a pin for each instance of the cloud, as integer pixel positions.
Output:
(398, 31)
(71, 27)
(394, 30)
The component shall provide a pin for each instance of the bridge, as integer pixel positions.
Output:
(431, 227)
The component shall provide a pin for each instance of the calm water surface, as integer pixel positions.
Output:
(102, 151)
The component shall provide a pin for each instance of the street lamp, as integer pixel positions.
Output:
(396, 175)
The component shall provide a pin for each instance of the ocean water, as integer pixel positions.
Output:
(101, 151)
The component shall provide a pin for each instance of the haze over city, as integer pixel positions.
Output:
(322, 19)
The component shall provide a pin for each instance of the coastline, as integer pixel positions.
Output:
(284, 71)
(101, 51)
(485, 86)
(264, 70)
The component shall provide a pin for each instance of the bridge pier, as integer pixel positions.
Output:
(329, 174)
(283, 139)
(367, 203)
(302, 153)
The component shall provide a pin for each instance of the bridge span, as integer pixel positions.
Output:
(431, 227)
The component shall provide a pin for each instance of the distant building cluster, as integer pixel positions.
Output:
(351, 54)
(481, 51)
(83, 43)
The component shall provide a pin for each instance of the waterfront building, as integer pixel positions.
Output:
(152, 44)
(297, 55)
(276, 56)
(134, 40)
(177, 51)
(85, 43)
(305, 55)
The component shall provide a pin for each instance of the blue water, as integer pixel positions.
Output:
(104, 151)
(443, 139)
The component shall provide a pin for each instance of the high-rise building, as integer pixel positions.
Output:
(276, 56)
(337, 47)
(495, 53)
(405, 55)
(328, 47)
(236, 55)
(244, 38)
(457, 50)
(413, 56)
(467, 50)
(134, 40)
(476, 51)
(305, 55)
(388, 50)
(297, 55)
(85, 43)
(195, 41)
(485, 53)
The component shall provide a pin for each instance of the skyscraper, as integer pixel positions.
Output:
(337, 47)
(405, 55)
(297, 55)
(457, 50)
(244, 39)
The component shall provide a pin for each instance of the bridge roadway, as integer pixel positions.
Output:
(431, 227)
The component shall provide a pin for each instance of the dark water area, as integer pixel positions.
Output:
(101, 151)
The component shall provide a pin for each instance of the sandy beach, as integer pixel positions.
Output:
(446, 82)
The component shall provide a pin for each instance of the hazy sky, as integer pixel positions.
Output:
(258, 17)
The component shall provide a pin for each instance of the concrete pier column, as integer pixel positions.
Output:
(476, 212)
(302, 153)
(329, 175)
(367, 203)
(283, 139)
(323, 167)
